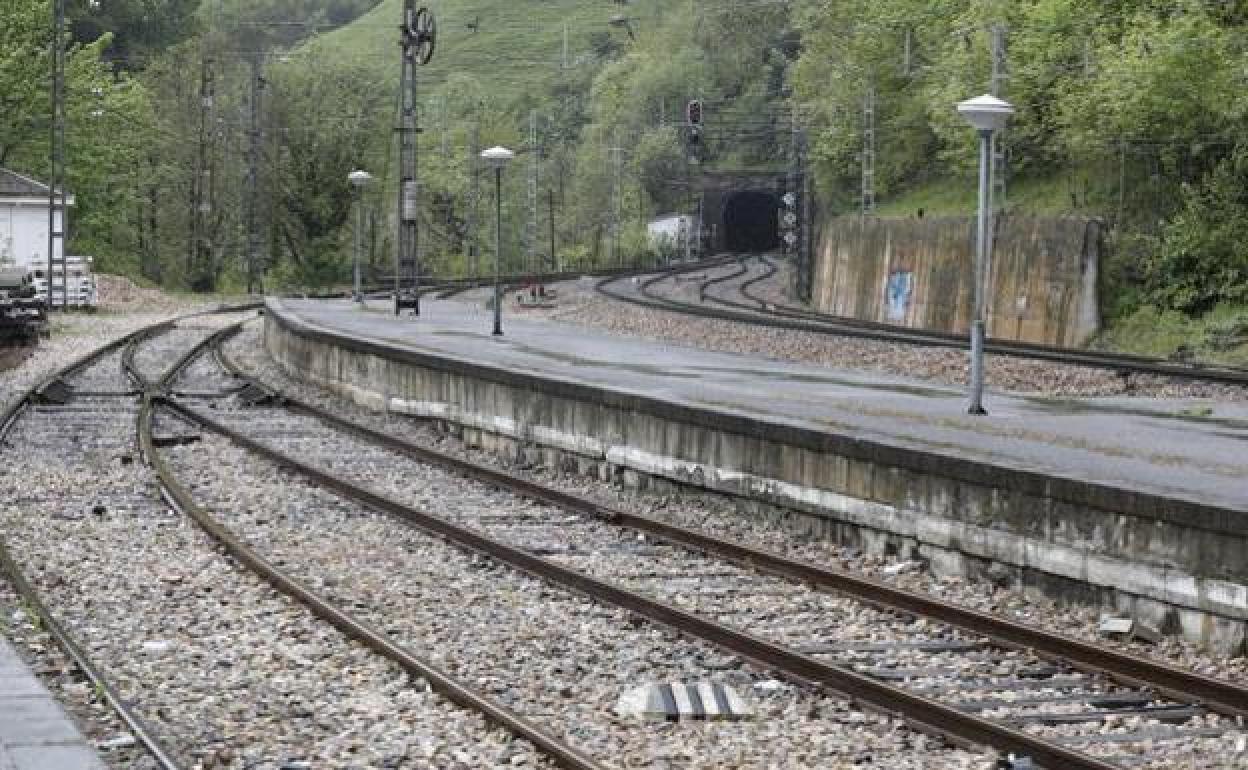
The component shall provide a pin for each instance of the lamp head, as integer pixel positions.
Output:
(986, 113)
(497, 157)
(359, 178)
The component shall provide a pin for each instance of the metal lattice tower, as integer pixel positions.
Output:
(530, 228)
(868, 151)
(406, 270)
(443, 132)
(474, 204)
(202, 186)
(253, 177)
(996, 87)
(57, 195)
(806, 237)
(617, 156)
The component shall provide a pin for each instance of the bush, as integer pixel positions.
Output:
(1203, 258)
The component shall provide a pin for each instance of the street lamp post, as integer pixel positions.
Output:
(358, 179)
(498, 157)
(987, 114)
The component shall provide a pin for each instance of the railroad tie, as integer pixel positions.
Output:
(675, 701)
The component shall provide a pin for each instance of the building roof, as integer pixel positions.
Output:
(15, 185)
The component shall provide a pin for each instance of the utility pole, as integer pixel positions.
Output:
(907, 67)
(443, 134)
(474, 205)
(617, 154)
(417, 48)
(253, 177)
(996, 87)
(57, 195)
(550, 201)
(795, 168)
(200, 253)
(530, 230)
(868, 151)
(805, 233)
(565, 46)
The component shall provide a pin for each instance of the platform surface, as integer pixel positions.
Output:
(1141, 444)
(35, 732)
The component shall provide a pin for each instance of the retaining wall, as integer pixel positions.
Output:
(919, 273)
(1175, 565)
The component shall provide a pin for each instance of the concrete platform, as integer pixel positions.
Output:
(35, 732)
(1081, 489)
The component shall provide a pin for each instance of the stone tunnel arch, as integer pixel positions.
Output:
(751, 221)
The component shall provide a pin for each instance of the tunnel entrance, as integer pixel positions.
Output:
(751, 221)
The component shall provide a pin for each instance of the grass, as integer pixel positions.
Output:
(1049, 196)
(1221, 336)
(515, 54)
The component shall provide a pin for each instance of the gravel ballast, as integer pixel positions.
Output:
(553, 656)
(230, 673)
(716, 517)
(579, 304)
(722, 516)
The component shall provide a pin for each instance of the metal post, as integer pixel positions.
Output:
(253, 174)
(996, 86)
(975, 405)
(58, 197)
(474, 208)
(200, 184)
(550, 200)
(498, 250)
(406, 255)
(530, 229)
(868, 151)
(697, 227)
(617, 195)
(358, 294)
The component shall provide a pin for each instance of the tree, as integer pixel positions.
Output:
(138, 28)
(1203, 260)
(107, 118)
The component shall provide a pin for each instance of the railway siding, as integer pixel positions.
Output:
(1158, 557)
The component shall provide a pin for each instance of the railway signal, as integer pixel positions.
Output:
(693, 112)
(788, 219)
(419, 35)
(693, 118)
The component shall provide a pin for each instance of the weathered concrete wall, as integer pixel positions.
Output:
(1174, 564)
(919, 273)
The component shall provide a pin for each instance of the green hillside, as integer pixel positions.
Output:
(512, 52)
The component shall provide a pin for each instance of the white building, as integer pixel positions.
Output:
(24, 221)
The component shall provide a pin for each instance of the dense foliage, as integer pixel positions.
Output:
(1127, 109)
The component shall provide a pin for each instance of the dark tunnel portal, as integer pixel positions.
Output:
(750, 222)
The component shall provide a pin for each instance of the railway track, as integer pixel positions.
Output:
(388, 567)
(752, 309)
(947, 671)
(444, 288)
(205, 664)
(33, 425)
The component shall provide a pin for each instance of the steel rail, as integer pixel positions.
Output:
(181, 499)
(1178, 684)
(137, 726)
(448, 287)
(924, 714)
(741, 270)
(1105, 359)
(772, 316)
(142, 733)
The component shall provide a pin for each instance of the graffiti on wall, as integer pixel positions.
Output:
(897, 295)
